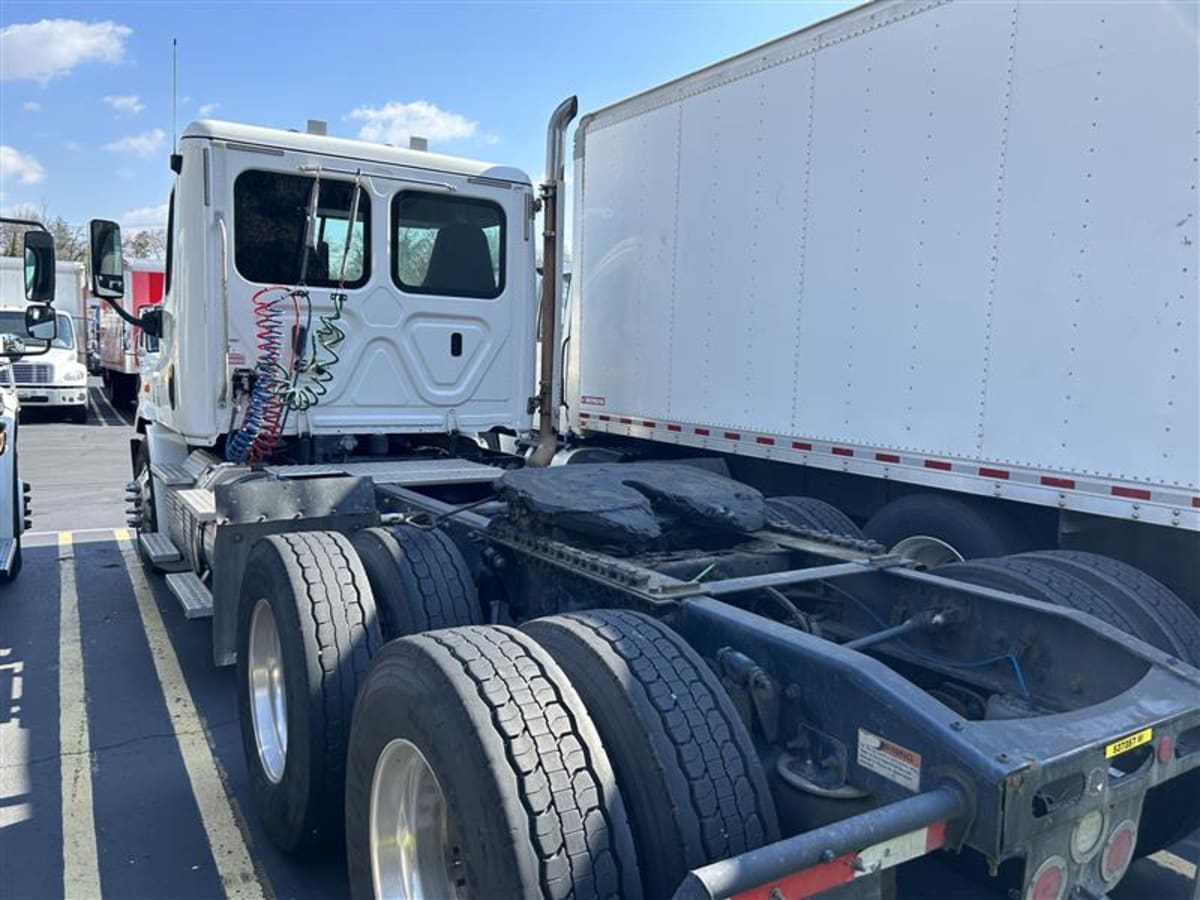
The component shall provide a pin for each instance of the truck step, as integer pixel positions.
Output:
(193, 596)
(407, 473)
(199, 502)
(159, 548)
(8, 554)
(172, 476)
(198, 461)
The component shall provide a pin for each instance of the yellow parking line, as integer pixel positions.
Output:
(81, 867)
(229, 850)
(1175, 863)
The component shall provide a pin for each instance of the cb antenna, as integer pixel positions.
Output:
(176, 158)
(174, 90)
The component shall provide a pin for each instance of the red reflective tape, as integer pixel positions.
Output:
(765, 441)
(935, 837)
(1131, 493)
(993, 473)
(937, 464)
(1066, 483)
(887, 457)
(584, 415)
(842, 451)
(801, 445)
(674, 428)
(604, 418)
(703, 432)
(625, 421)
(732, 436)
(1196, 502)
(648, 424)
(807, 883)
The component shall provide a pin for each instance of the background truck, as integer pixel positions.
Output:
(952, 288)
(495, 675)
(29, 339)
(58, 378)
(122, 345)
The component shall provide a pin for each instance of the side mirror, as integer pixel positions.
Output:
(39, 267)
(152, 322)
(40, 322)
(104, 259)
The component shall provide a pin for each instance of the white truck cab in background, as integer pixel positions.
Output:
(58, 378)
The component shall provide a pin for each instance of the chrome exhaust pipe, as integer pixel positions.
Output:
(552, 251)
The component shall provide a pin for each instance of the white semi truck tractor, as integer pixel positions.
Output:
(32, 332)
(603, 666)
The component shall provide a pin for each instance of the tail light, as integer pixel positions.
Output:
(1118, 852)
(1049, 882)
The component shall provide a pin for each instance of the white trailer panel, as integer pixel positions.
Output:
(954, 243)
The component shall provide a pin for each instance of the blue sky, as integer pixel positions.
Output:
(85, 95)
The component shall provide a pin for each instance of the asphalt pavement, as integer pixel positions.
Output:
(121, 768)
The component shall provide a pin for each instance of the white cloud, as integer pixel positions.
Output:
(19, 166)
(31, 106)
(207, 110)
(146, 217)
(73, 146)
(395, 122)
(129, 104)
(41, 51)
(145, 144)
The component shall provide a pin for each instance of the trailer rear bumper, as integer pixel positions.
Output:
(809, 864)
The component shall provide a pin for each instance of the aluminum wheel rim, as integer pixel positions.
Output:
(410, 852)
(268, 698)
(927, 551)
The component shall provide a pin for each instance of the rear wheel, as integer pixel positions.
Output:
(476, 771)
(936, 529)
(809, 512)
(1132, 601)
(419, 579)
(306, 634)
(686, 765)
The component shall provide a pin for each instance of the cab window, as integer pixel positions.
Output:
(449, 246)
(270, 214)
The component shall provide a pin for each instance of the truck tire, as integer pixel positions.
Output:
(1137, 594)
(79, 414)
(1117, 594)
(935, 529)
(809, 512)
(419, 578)
(686, 765)
(306, 634)
(474, 741)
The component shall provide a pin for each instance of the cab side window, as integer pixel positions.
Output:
(448, 246)
(270, 215)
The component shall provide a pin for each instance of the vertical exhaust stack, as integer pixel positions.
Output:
(552, 219)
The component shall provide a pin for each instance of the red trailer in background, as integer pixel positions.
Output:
(123, 347)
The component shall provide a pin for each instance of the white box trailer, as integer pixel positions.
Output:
(940, 247)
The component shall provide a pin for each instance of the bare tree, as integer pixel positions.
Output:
(70, 242)
(149, 243)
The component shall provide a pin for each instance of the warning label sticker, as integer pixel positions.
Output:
(591, 400)
(889, 759)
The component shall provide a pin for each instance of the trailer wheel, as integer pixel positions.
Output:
(306, 635)
(419, 578)
(1132, 601)
(935, 529)
(686, 765)
(475, 771)
(809, 512)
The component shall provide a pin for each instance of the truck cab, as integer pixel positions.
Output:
(414, 318)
